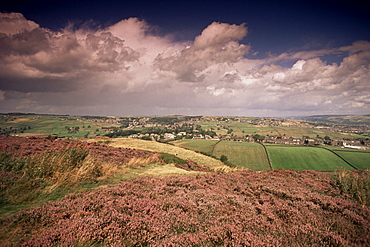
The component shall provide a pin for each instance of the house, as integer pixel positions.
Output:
(337, 143)
(169, 136)
(309, 142)
(297, 141)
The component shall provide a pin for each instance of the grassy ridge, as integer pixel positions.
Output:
(304, 158)
(170, 149)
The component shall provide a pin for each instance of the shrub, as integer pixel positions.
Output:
(224, 160)
(169, 158)
(187, 165)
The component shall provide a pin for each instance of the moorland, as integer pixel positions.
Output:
(182, 181)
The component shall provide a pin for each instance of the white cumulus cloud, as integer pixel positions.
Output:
(127, 68)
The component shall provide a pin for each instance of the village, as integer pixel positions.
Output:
(175, 128)
(266, 130)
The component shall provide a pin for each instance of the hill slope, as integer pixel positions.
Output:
(33, 170)
(340, 119)
(244, 208)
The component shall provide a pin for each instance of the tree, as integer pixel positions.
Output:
(258, 137)
(223, 158)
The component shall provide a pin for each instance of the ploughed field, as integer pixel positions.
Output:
(196, 207)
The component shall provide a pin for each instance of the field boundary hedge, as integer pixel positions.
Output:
(214, 146)
(267, 155)
(340, 157)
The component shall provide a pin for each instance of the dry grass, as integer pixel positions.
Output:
(140, 161)
(167, 170)
(166, 148)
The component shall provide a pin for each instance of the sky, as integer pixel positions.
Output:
(213, 58)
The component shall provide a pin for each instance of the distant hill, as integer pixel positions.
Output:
(340, 119)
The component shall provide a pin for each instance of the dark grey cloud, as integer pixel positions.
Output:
(24, 43)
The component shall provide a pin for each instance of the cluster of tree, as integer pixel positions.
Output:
(186, 128)
(72, 130)
(258, 138)
(122, 133)
(11, 130)
(170, 120)
(204, 132)
(95, 117)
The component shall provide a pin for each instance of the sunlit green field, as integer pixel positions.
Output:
(253, 156)
(358, 159)
(243, 154)
(339, 149)
(304, 158)
(198, 145)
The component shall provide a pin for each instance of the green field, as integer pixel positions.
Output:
(253, 156)
(304, 158)
(245, 128)
(50, 124)
(198, 145)
(360, 160)
(339, 149)
(241, 154)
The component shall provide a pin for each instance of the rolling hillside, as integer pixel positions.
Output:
(340, 119)
(63, 193)
(244, 208)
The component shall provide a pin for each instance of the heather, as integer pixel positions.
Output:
(26, 147)
(122, 207)
(241, 208)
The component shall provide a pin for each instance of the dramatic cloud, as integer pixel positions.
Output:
(127, 68)
(217, 45)
(13, 23)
